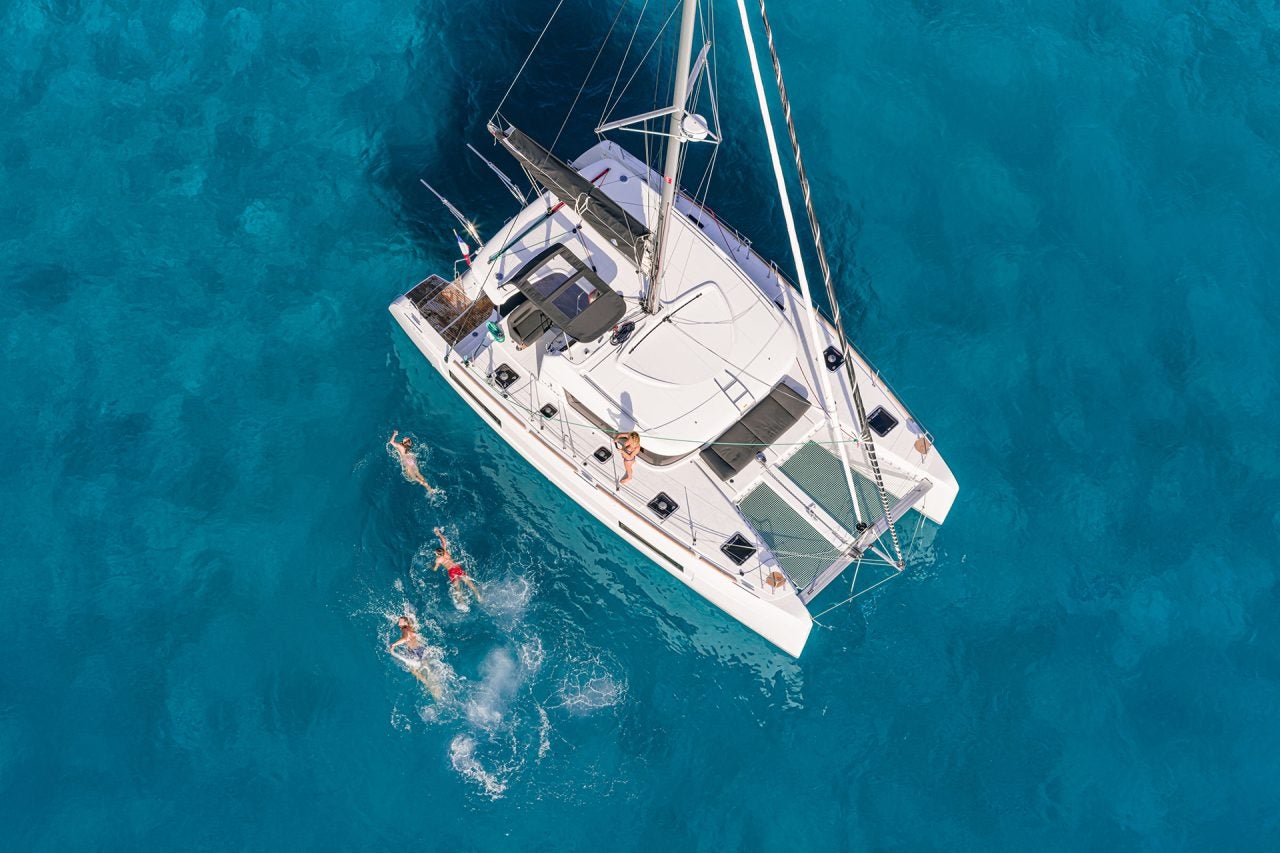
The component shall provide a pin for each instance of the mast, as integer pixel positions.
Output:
(675, 146)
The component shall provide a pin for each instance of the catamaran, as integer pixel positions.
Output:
(773, 455)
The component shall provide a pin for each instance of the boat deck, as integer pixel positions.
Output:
(790, 504)
(706, 514)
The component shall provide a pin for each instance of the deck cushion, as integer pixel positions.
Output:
(762, 425)
(527, 323)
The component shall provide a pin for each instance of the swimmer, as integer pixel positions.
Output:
(408, 461)
(629, 445)
(415, 652)
(456, 573)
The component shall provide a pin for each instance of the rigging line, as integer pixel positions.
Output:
(642, 60)
(715, 73)
(623, 64)
(532, 50)
(701, 441)
(824, 386)
(883, 580)
(741, 371)
(704, 187)
(502, 176)
(868, 446)
(587, 78)
(510, 225)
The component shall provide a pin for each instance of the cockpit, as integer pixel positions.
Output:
(557, 290)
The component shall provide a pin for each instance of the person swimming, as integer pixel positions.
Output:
(409, 461)
(415, 655)
(455, 571)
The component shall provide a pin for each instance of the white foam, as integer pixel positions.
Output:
(400, 720)
(531, 655)
(591, 686)
(462, 755)
(500, 678)
(544, 732)
(507, 600)
(592, 694)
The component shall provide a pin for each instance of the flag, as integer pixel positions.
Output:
(466, 250)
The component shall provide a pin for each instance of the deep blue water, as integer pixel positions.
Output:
(1055, 225)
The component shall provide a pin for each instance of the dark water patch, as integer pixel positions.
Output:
(47, 287)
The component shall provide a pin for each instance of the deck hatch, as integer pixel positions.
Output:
(504, 376)
(662, 505)
(738, 549)
(881, 421)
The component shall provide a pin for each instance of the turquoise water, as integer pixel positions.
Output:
(1055, 226)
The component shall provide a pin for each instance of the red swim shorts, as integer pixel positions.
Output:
(455, 572)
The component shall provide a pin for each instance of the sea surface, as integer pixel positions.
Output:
(1055, 230)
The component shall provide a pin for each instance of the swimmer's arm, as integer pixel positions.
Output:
(392, 647)
(444, 543)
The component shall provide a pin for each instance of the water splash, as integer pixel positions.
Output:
(502, 717)
(507, 600)
(462, 755)
(501, 677)
(544, 733)
(589, 685)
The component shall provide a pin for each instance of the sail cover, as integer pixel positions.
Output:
(618, 226)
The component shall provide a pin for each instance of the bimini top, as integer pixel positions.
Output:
(570, 293)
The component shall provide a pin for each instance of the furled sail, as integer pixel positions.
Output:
(604, 214)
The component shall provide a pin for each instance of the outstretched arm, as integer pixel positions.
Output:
(444, 543)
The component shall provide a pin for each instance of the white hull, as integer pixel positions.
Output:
(783, 621)
(766, 591)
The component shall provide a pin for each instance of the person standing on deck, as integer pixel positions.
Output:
(629, 446)
(409, 460)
